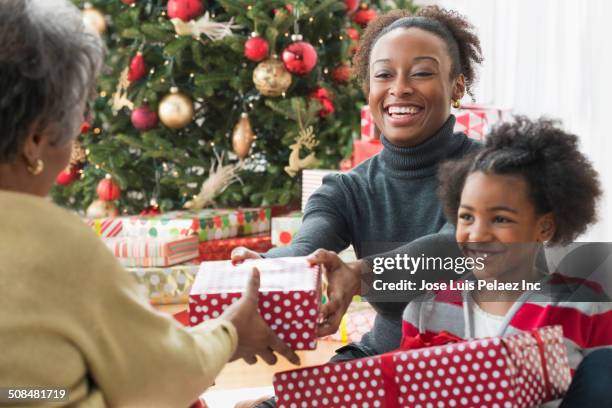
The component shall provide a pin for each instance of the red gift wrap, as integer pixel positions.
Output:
(476, 121)
(221, 249)
(288, 297)
(364, 150)
(369, 131)
(522, 370)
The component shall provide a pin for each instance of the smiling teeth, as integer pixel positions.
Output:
(403, 109)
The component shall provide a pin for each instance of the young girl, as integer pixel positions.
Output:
(530, 185)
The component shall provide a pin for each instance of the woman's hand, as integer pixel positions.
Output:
(254, 335)
(344, 282)
(239, 254)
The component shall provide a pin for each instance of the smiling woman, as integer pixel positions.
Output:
(413, 67)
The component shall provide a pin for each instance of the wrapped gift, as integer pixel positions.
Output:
(364, 150)
(284, 228)
(146, 252)
(369, 131)
(288, 299)
(357, 321)
(221, 249)
(207, 224)
(522, 370)
(164, 286)
(476, 121)
(311, 180)
(106, 227)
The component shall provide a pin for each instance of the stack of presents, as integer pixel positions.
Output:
(183, 257)
(163, 252)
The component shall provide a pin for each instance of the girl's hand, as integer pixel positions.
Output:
(344, 282)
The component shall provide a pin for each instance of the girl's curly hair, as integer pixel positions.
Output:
(561, 179)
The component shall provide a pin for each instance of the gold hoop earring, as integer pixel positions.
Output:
(40, 166)
(456, 104)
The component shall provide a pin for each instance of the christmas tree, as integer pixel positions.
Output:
(216, 102)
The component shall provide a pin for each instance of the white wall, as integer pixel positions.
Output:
(553, 58)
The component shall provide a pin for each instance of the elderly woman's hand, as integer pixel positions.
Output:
(254, 335)
(344, 282)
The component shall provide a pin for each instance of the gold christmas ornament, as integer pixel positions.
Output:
(305, 139)
(271, 78)
(102, 209)
(243, 136)
(93, 18)
(176, 109)
(120, 99)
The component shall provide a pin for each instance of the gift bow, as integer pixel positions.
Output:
(428, 339)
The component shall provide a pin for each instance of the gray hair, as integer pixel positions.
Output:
(49, 63)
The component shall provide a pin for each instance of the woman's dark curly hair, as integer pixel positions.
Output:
(561, 179)
(458, 34)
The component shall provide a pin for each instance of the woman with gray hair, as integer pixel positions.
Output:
(70, 316)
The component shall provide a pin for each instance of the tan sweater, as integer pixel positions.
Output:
(70, 316)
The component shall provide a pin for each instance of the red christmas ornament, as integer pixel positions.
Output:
(108, 190)
(185, 9)
(128, 2)
(364, 16)
(67, 176)
(144, 118)
(288, 7)
(85, 127)
(351, 5)
(320, 94)
(256, 48)
(138, 69)
(341, 74)
(299, 57)
(352, 33)
(327, 106)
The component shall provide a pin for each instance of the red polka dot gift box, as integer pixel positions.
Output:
(522, 370)
(289, 295)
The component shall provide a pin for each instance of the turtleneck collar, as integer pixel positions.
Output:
(421, 160)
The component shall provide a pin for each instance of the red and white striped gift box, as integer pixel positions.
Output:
(289, 295)
(146, 252)
(106, 227)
